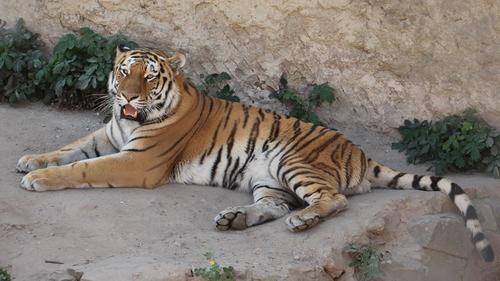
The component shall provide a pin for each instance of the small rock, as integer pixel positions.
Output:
(333, 269)
(376, 227)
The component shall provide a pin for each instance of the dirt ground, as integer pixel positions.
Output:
(136, 234)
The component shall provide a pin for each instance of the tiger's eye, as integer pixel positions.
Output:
(150, 76)
(125, 72)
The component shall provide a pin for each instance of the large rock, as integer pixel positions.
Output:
(442, 232)
(390, 60)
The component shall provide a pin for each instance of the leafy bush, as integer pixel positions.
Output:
(215, 85)
(21, 58)
(4, 275)
(214, 272)
(300, 108)
(77, 71)
(366, 260)
(457, 143)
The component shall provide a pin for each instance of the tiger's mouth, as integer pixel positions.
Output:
(130, 112)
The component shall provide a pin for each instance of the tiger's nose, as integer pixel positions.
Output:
(130, 98)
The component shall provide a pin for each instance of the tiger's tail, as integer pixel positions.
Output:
(382, 176)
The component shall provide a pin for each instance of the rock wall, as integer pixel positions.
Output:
(390, 60)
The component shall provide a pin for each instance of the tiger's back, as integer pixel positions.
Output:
(237, 137)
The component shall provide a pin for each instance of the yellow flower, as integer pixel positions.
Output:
(212, 262)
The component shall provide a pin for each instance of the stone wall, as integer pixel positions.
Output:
(390, 60)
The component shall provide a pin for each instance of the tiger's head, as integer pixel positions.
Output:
(142, 84)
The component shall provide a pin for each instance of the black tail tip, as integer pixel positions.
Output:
(487, 254)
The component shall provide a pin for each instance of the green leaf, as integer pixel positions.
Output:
(58, 68)
(94, 82)
(489, 142)
(59, 87)
(83, 82)
(322, 93)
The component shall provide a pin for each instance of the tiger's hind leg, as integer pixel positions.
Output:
(318, 190)
(269, 204)
(321, 205)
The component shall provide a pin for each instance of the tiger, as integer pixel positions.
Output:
(163, 130)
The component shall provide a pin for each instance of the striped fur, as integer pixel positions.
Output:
(182, 136)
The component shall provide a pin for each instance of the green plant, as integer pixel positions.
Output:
(214, 272)
(4, 275)
(366, 260)
(21, 58)
(301, 108)
(458, 142)
(77, 71)
(215, 85)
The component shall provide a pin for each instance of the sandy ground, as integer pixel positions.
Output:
(142, 233)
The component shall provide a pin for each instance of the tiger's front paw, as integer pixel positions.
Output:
(42, 180)
(231, 218)
(32, 162)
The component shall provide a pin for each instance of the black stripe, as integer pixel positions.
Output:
(303, 184)
(225, 180)
(94, 144)
(416, 182)
(272, 188)
(470, 214)
(169, 86)
(286, 172)
(85, 153)
(311, 193)
(268, 196)
(275, 129)
(140, 149)
(138, 138)
(252, 139)
(362, 159)
(348, 166)
(233, 171)
(228, 114)
(214, 139)
(214, 166)
(245, 114)
(186, 87)
(230, 140)
(455, 190)
(296, 125)
(478, 237)
(194, 128)
(286, 154)
(394, 182)
(261, 114)
(434, 183)
(487, 254)
(316, 152)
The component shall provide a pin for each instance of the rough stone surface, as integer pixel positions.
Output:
(160, 234)
(390, 60)
(442, 232)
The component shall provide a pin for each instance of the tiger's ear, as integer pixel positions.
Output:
(122, 49)
(177, 61)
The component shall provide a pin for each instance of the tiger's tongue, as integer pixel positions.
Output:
(129, 110)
